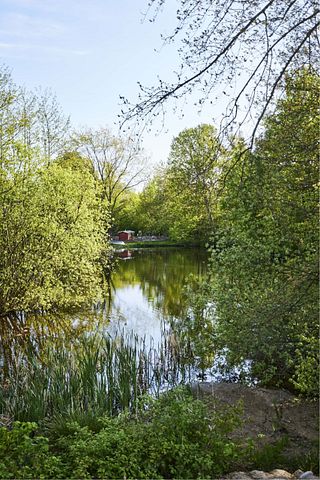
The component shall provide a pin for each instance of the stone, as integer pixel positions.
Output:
(238, 476)
(278, 473)
(259, 475)
(307, 475)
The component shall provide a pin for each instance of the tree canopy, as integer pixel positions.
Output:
(51, 237)
(118, 163)
(265, 264)
(181, 199)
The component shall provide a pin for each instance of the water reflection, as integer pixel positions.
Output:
(149, 290)
(145, 335)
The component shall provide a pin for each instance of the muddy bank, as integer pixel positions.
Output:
(270, 415)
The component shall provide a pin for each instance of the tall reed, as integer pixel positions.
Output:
(93, 374)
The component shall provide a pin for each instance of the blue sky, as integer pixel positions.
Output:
(89, 53)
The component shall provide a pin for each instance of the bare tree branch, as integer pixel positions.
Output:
(255, 42)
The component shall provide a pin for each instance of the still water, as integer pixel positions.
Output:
(144, 337)
(148, 288)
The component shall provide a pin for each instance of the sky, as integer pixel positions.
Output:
(91, 52)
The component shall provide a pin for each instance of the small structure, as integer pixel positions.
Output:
(124, 254)
(126, 235)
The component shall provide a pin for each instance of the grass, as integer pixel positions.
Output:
(92, 373)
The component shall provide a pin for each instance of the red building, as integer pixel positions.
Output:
(126, 235)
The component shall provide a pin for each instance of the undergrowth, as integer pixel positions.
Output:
(173, 437)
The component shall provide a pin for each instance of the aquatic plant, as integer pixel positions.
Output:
(90, 372)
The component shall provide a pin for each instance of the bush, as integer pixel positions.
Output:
(24, 454)
(173, 437)
(186, 439)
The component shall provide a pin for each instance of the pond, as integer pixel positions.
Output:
(147, 335)
(147, 289)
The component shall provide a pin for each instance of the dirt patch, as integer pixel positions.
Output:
(270, 415)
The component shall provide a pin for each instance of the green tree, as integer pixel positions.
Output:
(152, 206)
(180, 200)
(192, 174)
(51, 238)
(128, 216)
(118, 163)
(265, 270)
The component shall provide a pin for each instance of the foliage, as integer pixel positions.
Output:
(195, 329)
(51, 235)
(269, 456)
(196, 443)
(25, 454)
(127, 217)
(180, 200)
(80, 373)
(152, 212)
(50, 239)
(192, 178)
(74, 161)
(118, 163)
(75, 376)
(173, 437)
(265, 264)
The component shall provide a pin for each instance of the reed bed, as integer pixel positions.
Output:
(92, 374)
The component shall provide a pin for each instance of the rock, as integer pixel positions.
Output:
(308, 475)
(267, 414)
(277, 473)
(238, 476)
(259, 474)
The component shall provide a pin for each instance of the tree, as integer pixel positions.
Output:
(239, 49)
(12, 121)
(118, 163)
(33, 120)
(128, 216)
(265, 266)
(152, 211)
(180, 200)
(46, 127)
(52, 125)
(50, 241)
(51, 235)
(193, 168)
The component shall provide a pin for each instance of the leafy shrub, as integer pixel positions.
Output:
(173, 437)
(277, 455)
(23, 454)
(186, 439)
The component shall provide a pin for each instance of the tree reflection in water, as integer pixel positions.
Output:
(99, 358)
